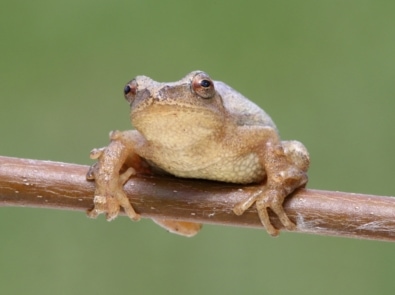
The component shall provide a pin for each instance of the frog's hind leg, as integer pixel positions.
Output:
(297, 154)
(183, 228)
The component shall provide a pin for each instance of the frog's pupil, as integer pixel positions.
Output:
(127, 89)
(205, 83)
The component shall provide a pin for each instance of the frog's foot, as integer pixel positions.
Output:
(272, 196)
(109, 195)
(265, 199)
(273, 199)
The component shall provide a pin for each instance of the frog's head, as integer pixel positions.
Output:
(177, 113)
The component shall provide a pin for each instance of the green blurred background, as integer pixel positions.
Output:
(324, 71)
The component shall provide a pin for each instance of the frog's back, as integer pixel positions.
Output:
(244, 111)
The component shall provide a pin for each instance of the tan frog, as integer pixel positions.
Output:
(198, 128)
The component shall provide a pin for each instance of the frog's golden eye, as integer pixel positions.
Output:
(203, 86)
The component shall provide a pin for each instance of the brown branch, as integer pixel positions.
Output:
(34, 183)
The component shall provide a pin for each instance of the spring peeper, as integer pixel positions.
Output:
(198, 128)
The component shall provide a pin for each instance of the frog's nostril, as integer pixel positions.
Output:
(127, 89)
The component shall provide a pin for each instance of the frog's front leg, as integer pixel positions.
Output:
(286, 164)
(110, 175)
(116, 164)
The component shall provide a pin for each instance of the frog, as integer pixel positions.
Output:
(198, 128)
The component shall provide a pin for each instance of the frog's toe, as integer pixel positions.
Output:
(242, 206)
(96, 153)
(274, 200)
(100, 206)
(124, 202)
(112, 208)
(124, 177)
(92, 213)
(265, 220)
(90, 175)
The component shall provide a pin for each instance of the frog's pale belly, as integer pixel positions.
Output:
(235, 169)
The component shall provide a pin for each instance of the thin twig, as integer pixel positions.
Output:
(34, 183)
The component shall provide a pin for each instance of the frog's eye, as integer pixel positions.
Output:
(203, 86)
(130, 90)
(205, 83)
(127, 89)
